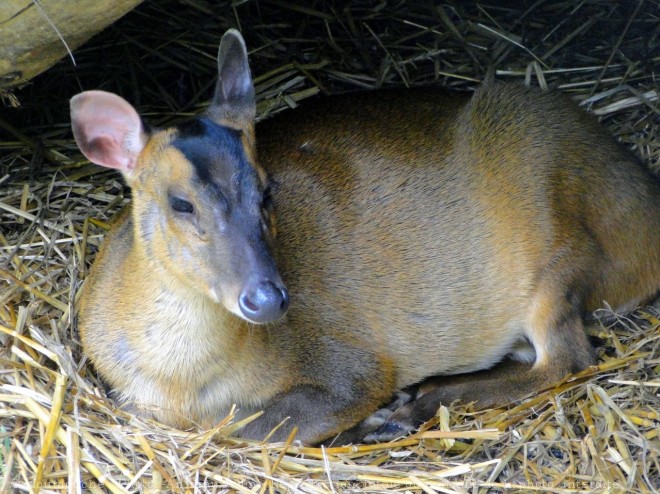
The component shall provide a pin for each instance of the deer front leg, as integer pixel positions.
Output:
(317, 413)
(374, 421)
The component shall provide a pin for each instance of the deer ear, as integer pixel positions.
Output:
(107, 130)
(234, 93)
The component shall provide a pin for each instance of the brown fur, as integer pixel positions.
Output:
(420, 233)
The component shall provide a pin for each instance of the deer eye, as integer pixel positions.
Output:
(181, 205)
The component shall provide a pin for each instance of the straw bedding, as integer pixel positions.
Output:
(594, 432)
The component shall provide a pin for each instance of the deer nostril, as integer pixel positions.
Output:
(264, 303)
(245, 300)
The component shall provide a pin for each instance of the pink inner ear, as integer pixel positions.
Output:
(106, 151)
(107, 129)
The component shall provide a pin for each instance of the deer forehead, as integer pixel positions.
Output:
(203, 156)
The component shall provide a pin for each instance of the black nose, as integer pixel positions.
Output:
(264, 303)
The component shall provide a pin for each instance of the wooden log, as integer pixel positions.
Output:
(34, 34)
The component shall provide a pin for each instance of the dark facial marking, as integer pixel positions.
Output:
(217, 155)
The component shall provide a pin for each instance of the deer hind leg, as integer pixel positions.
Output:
(556, 333)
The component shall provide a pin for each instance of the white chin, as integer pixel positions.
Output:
(213, 295)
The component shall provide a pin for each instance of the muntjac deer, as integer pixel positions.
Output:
(419, 233)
